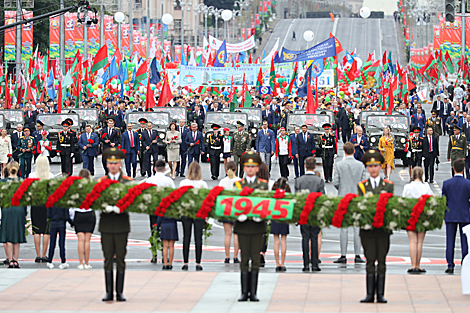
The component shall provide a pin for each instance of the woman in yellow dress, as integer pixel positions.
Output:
(387, 148)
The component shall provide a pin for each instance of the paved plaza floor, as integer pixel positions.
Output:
(43, 290)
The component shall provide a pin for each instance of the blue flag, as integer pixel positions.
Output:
(183, 58)
(113, 72)
(221, 56)
(154, 74)
(302, 90)
(50, 86)
(125, 74)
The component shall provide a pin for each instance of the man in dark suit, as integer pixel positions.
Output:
(110, 136)
(430, 153)
(444, 112)
(418, 120)
(265, 142)
(466, 132)
(346, 120)
(88, 144)
(195, 142)
(360, 142)
(183, 148)
(312, 183)
(199, 116)
(15, 139)
(293, 139)
(143, 124)
(267, 115)
(150, 147)
(437, 104)
(305, 147)
(457, 192)
(30, 117)
(131, 144)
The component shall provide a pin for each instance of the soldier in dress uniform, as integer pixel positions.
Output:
(75, 143)
(65, 146)
(216, 146)
(457, 148)
(114, 227)
(435, 123)
(375, 241)
(26, 147)
(330, 150)
(416, 147)
(143, 123)
(250, 231)
(240, 144)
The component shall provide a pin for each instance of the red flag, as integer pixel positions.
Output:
(310, 101)
(29, 93)
(259, 80)
(249, 59)
(41, 99)
(150, 99)
(352, 71)
(165, 94)
(7, 96)
(244, 88)
(384, 58)
(338, 45)
(59, 106)
(117, 55)
(232, 90)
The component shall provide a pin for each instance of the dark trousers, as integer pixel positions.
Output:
(376, 243)
(416, 159)
(296, 166)
(451, 231)
(328, 166)
(142, 163)
(193, 157)
(198, 228)
(52, 242)
(302, 162)
(66, 162)
(346, 135)
(467, 167)
(429, 168)
(89, 163)
(310, 244)
(131, 160)
(236, 159)
(25, 167)
(250, 246)
(444, 124)
(283, 162)
(182, 163)
(148, 163)
(215, 163)
(114, 244)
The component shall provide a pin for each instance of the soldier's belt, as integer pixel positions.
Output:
(65, 145)
(456, 148)
(216, 148)
(327, 147)
(415, 150)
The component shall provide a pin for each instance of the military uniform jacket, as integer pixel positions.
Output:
(249, 227)
(65, 140)
(23, 144)
(111, 222)
(328, 145)
(457, 148)
(240, 143)
(365, 186)
(436, 126)
(216, 144)
(417, 145)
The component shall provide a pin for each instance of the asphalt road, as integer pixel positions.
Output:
(364, 35)
(138, 254)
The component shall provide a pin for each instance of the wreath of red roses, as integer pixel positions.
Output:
(342, 209)
(279, 194)
(131, 194)
(60, 192)
(209, 202)
(95, 193)
(416, 212)
(380, 209)
(246, 191)
(308, 207)
(174, 196)
(19, 193)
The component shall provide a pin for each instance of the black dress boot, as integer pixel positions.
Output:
(370, 281)
(381, 288)
(244, 281)
(253, 285)
(108, 276)
(120, 286)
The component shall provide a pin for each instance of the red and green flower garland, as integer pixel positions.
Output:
(60, 192)
(417, 210)
(19, 193)
(96, 192)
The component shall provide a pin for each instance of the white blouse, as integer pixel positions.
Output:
(416, 189)
(228, 183)
(194, 183)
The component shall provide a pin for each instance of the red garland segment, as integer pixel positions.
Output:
(19, 193)
(60, 192)
(131, 194)
(95, 193)
(308, 207)
(174, 196)
(417, 210)
(342, 209)
(209, 202)
(380, 209)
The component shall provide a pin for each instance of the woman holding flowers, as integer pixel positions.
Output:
(173, 141)
(387, 148)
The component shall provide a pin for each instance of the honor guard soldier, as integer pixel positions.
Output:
(65, 146)
(216, 145)
(110, 137)
(328, 145)
(250, 231)
(416, 144)
(75, 143)
(114, 227)
(143, 124)
(375, 241)
(457, 148)
(26, 147)
(435, 123)
(240, 144)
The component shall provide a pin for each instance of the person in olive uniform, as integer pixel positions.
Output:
(250, 231)
(328, 145)
(26, 147)
(216, 146)
(114, 227)
(65, 146)
(375, 241)
(435, 123)
(240, 144)
(416, 147)
(457, 148)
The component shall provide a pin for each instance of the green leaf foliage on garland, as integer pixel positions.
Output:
(360, 212)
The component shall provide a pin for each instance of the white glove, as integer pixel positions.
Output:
(334, 157)
(113, 208)
(242, 218)
(257, 219)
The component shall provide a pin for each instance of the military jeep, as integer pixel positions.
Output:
(12, 118)
(176, 113)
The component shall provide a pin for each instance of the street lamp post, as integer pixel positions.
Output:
(235, 13)
(166, 19)
(197, 10)
(217, 14)
(207, 11)
(183, 3)
(119, 18)
(226, 16)
(241, 4)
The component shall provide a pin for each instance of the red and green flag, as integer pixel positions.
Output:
(293, 78)
(272, 78)
(101, 59)
(449, 64)
(141, 74)
(259, 80)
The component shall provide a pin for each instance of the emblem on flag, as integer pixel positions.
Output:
(264, 90)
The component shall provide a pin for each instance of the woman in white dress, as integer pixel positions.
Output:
(416, 189)
(228, 183)
(5, 150)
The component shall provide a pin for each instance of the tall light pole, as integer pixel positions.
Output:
(167, 19)
(226, 16)
(131, 28)
(217, 14)
(182, 4)
(207, 11)
(119, 18)
(197, 10)
(241, 4)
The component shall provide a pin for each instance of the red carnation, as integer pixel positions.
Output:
(9, 155)
(246, 191)
(279, 194)
(124, 151)
(104, 135)
(91, 141)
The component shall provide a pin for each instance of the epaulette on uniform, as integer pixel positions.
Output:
(388, 181)
(126, 177)
(262, 180)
